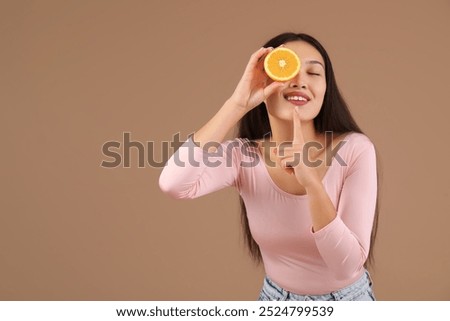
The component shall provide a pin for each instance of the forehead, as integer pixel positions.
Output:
(305, 51)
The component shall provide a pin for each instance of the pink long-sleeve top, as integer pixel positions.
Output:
(294, 257)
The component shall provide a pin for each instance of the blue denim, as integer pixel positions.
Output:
(360, 290)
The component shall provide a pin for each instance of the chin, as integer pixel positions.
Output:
(286, 114)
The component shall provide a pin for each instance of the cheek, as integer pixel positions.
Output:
(321, 83)
(275, 97)
(321, 88)
(276, 105)
(272, 98)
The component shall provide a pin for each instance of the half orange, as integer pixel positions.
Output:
(282, 64)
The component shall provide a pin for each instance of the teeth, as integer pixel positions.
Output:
(296, 98)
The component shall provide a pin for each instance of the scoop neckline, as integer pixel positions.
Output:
(279, 189)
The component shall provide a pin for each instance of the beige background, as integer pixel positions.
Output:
(77, 74)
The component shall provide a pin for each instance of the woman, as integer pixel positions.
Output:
(309, 203)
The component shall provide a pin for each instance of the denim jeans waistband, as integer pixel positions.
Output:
(272, 291)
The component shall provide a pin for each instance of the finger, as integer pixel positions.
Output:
(270, 89)
(291, 161)
(298, 138)
(265, 52)
(279, 157)
(286, 162)
(290, 170)
(285, 149)
(257, 56)
(288, 165)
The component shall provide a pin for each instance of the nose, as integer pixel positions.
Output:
(297, 82)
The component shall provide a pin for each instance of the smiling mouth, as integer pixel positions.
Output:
(296, 100)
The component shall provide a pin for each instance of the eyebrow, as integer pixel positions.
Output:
(314, 62)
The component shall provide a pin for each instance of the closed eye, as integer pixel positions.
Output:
(312, 73)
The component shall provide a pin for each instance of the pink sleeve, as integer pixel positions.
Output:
(344, 243)
(192, 172)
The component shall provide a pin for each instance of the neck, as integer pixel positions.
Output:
(283, 131)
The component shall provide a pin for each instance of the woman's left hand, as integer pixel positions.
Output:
(293, 158)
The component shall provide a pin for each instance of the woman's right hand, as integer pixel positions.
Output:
(255, 86)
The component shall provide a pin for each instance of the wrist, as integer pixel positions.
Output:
(235, 108)
(314, 187)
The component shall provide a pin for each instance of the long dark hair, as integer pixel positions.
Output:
(334, 116)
